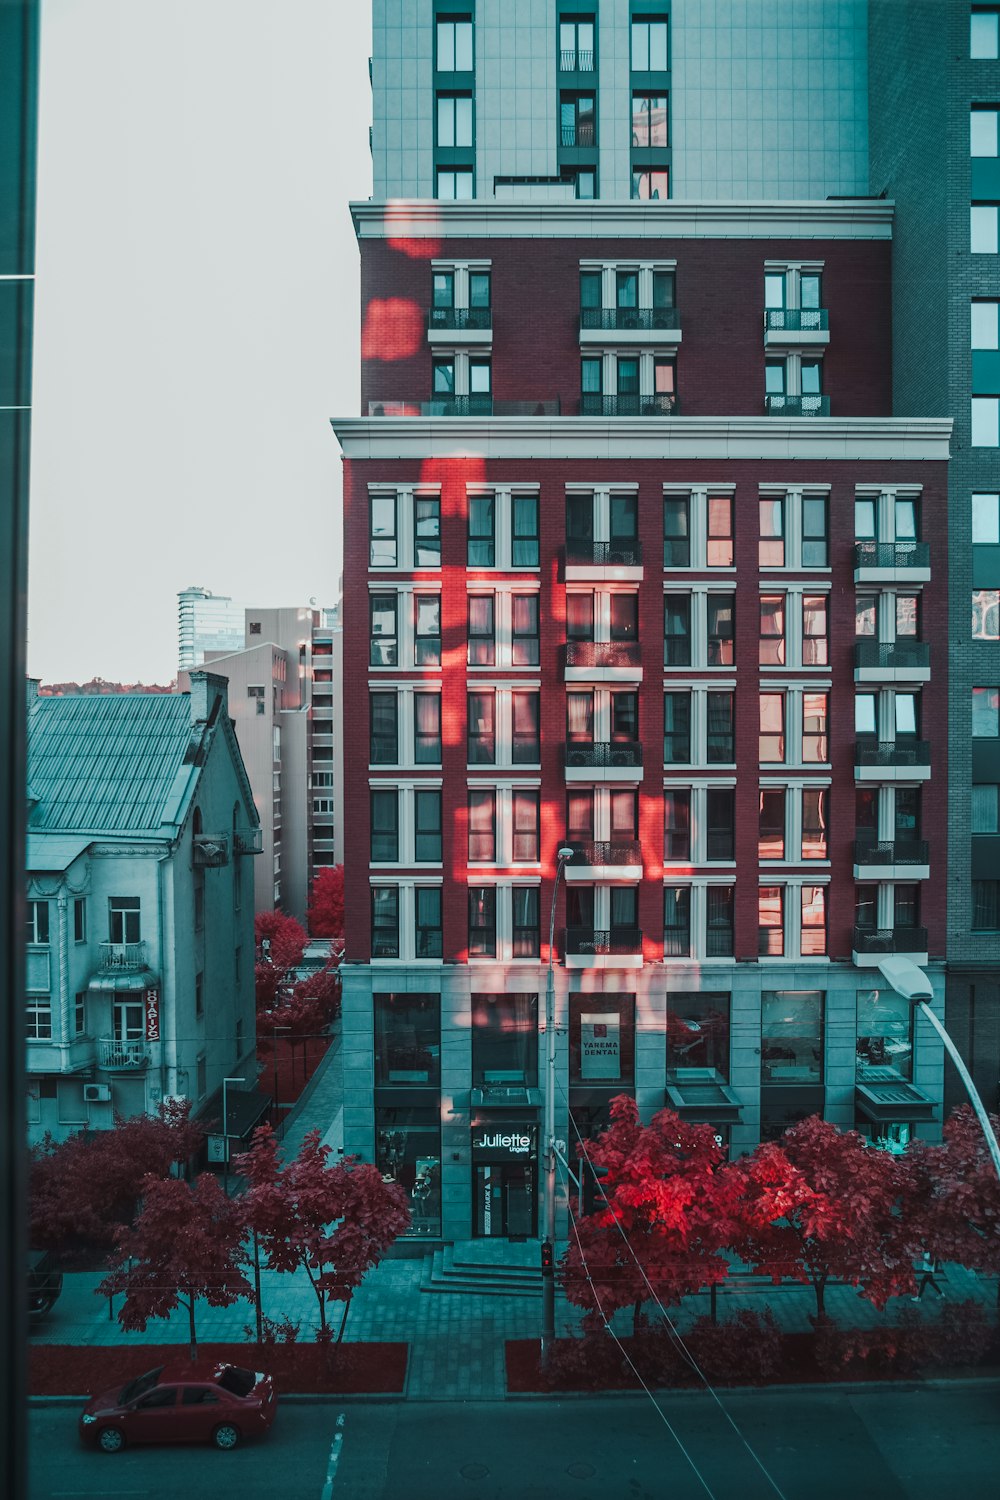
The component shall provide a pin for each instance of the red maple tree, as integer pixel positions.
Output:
(333, 1221)
(186, 1244)
(670, 1206)
(84, 1188)
(821, 1204)
(957, 1196)
(280, 942)
(326, 904)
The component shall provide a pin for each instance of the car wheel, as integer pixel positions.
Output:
(226, 1436)
(111, 1439)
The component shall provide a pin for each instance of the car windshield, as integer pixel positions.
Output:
(139, 1386)
(239, 1382)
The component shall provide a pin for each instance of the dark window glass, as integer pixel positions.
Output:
(427, 630)
(624, 617)
(985, 905)
(580, 617)
(719, 924)
(384, 631)
(580, 816)
(427, 729)
(443, 289)
(524, 540)
(443, 377)
(123, 919)
(677, 531)
(382, 532)
(771, 830)
(677, 823)
(482, 637)
(482, 826)
(697, 1033)
(590, 289)
(885, 1036)
(524, 630)
(428, 935)
(676, 921)
(482, 922)
(602, 1039)
(482, 532)
(524, 903)
(677, 630)
(815, 551)
(791, 1046)
(407, 1040)
(676, 729)
(427, 531)
(479, 288)
(624, 517)
(427, 826)
(815, 821)
(385, 826)
(525, 747)
(482, 729)
(525, 813)
(721, 730)
(721, 628)
(624, 717)
(385, 921)
(505, 1039)
(720, 807)
(408, 1151)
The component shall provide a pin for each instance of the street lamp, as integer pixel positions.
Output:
(225, 1132)
(548, 1267)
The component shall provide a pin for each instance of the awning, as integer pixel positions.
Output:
(124, 981)
(245, 1109)
(884, 1103)
(505, 1096)
(700, 1096)
(906, 978)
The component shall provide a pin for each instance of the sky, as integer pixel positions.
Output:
(196, 316)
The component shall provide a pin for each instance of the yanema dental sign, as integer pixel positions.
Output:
(600, 1045)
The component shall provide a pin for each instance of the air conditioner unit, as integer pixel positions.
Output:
(96, 1093)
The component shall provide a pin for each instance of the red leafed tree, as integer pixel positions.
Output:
(822, 1204)
(671, 1204)
(326, 905)
(334, 1222)
(280, 943)
(186, 1244)
(304, 1010)
(958, 1195)
(84, 1188)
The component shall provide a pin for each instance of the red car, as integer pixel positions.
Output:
(206, 1402)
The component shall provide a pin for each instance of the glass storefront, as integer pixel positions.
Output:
(602, 1040)
(408, 1151)
(408, 1040)
(791, 1036)
(893, 1136)
(697, 1033)
(885, 1037)
(505, 1039)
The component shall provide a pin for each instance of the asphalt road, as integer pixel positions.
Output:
(817, 1445)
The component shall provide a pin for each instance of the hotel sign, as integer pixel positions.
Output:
(504, 1142)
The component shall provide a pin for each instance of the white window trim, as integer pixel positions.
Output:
(609, 272)
(602, 604)
(601, 800)
(406, 496)
(504, 824)
(699, 920)
(407, 909)
(792, 902)
(647, 358)
(885, 497)
(503, 622)
(504, 916)
(699, 593)
(792, 270)
(793, 722)
(503, 722)
(406, 624)
(406, 823)
(600, 493)
(460, 270)
(793, 496)
(405, 721)
(699, 787)
(793, 594)
(699, 717)
(503, 521)
(793, 823)
(698, 493)
(462, 356)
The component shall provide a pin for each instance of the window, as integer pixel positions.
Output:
(482, 922)
(720, 744)
(884, 1036)
(427, 630)
(771, 920)
(984, 238)
(584, 180)
(580, 817)
(814, 727)
(426, 531)
(719, 921)
(649, 45)
(771, 548)
(719, 549)
(697, 1034)
(577, 120)
(986, 905)
(454, 183)
(38, 1016)
(602, 1039)
(525, 813)
(985, 520)
(771, 746)
(427, 729)
(576, 46)
(677, 531)
(624, 717)
(814, 531)
(580, 718)
(649, 120)
(813, 933)
(986, 614)
(791, 1048)
(591, 377)
(385, 921)
(721, 630)
(676, 921)
(482, 827)
(985, 808)
(384, 748)
(866, 907)
(407, 1040)
(482, 739)
(908, 615)
(720, 818)
(814, 822)
(677, 630)
(525, 744)
(677, 824)
(524, 528)
(382, 531)
(906, 706)
(428, 933)
(985, 725)
(38, 921)
(676, 728)
(482, 532)
(983, 38)
(771, 834)
(454, 120)
(815, 630)
(128, 1019)
(80, 1014)
(123, 919)
(505, 1039)
(651, 184)
(985, 338)
(480, 377)
(454, 44)
(384, 650)
(525, 919)
(258, 697)
(983, 132)
(771, 650)
(812, 377)
(624, 611)
(385, 827)
(524, 630)
(427, 827)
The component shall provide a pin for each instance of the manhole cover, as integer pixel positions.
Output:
(474, 1471)
(580, 1471)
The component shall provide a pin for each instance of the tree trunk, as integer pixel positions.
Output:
(193, 1337)
(322, 1311)
(819, 1285)
(343, 1321)
(636, 1311)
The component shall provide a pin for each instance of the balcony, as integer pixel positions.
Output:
(465, 325)
(572, 136)
(464, 406)
(796, 328)
(210, 851)
(797, 406)
(630, 325)
(576, 62)
(892, 760)
(603, 561)
(115, 1056)
(605, 860)
(892, 661)
(892, 562)
(891, 859)
(121, 958)
(871, 944)
(248, 841)
(603, 661)
(603, 760)
(613, 948)
(593, 404)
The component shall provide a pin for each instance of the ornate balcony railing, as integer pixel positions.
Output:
(578, 135)
(891, 655)
(604, 853)
(618, 319)
(576, 62)
(890, 940)
(603, 753)
(460, 318)
(892, 555)
(593, 404)
(603, 654)
(797, 406)
(116, 1056)
(891, 852)
(121, 957)
(621, 554)
(892, 753)
(796, 319)
(613, 942)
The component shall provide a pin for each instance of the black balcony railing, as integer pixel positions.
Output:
(796, 319)
(890, 852)
(603, 853)
(616, 319)
(892, 555)
(121, 957)
(892, 753)
(603, 654)
(797, 406)
(603, 753)
(890, 940)
(891, 655)
(594, 405)
(464, 406)
(614, 941)
(621, 554)
(578, 135)
(460, 317)
(576, 62)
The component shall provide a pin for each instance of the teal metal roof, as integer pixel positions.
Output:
(55, 851)
(106, 764)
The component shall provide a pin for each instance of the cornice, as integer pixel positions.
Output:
(809, 219)
(846, 439)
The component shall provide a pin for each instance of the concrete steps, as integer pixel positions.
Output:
(485, 1268)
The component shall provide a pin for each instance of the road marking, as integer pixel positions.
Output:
(334, 1459)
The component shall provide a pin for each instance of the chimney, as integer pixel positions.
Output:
(209, 695)
(32, 684)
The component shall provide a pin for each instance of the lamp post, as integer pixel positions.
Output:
(548, 1257)
(225, 1131)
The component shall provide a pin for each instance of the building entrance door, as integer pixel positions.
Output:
(505, 1200)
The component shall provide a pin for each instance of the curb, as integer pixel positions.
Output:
(292, 1399)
